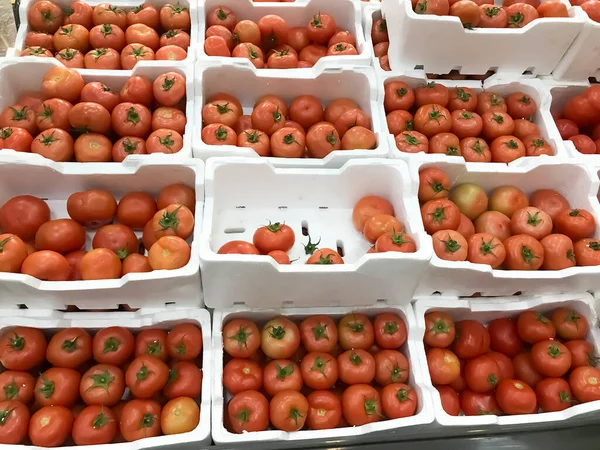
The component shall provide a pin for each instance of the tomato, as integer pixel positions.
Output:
(22, 348)
(484, 248)
(432, 119)
(523, 252)
(398, 96)
(92, 208)
(472, 339)
(462, 98)
(135, 263)
(39, 39)
(390, 330)
(551, 358)
(12, 253)
(583, 144)
(93, 147)
(466, 124)
(585, 252)
(95, 425)
(358, 137)
(554, 394)
(520, 105)
(449, 399)
(440, 214)
(322, 139)
(444, 366)
(567, 128)
(185, 379)
(582, 353)
(482, 374)
(19, 116)
(288, 410)
(46, 265)
(146, 375)
(524, 128)
(361, 404)
(520, 14)
(107, 13)
(73, 36)
(474, 404)
(325, 410)
(107, 36)
(319, 334)
(70, 348)
(432, 93)
(238, 247)
(536, 146)
(467, 11)
(306, 110)
(398, 400)
(356, 366)
(569, 324)
(321, 28)
(247, 31)
(433, 183)
(145, 13)
(74, 260)
(118, 238)
(100, 264)
(395, 242)
(355, 331)
(380, 224)
(449, 245)
(70, 58)
(524, 369)
(152, 342)
(445, 143)
(140, 419)
(113, 345)
(575, 223)
(216, 46)
(585, 383)
(504, 336)
(506, 366)
(37, 51)
(516, 397)
(128, 146)
(439, 329)
(280, 338)
(412, 142)
(17, 139)
(16, 385)
(273, 30)
(99, 93)
(184, 342)
(142, 34)
(131, 119)
(319, 370)
(50, 426)
(45, 16)
(244, 375)
(552, 9)
(534, 327)
(267, 117)
(164, 141)
(177, 16)
(399, 121)
(53, 113)
(57, 386)
(531, 221)
(169, 88)
(133, 53)
(391, 367)
(170, 53)
(248, 411)
(325, 256)
(15, 419)
(180, 415)
(496, 124)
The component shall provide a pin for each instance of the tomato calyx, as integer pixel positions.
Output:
(295, 415)
(410, 139)
(37, 51)
(171, 33)
(383, 26)
(4, 242)
(541, 318)
(356, 326)
(129, 146)
(571, 255)
(4, 415)
(274, 227)
(70, 345)
(492, 380)
(332, 139)
(69, 11)
(17, 342)
(564, 397)
(487, 247)
(277, 332)
(525, 99)
(19, 114)
(221, 133)
(403, 394)
(436, 186)
(401, 92)
(574, 213)
(46, 15)
(97, 53)
(515, 20)
(100, 421)
(153, 348)
(466, 115)
(167, 141)
(106, 29)
(594, 245)
(355, 359)
(241, 336)
(495, 100)
(320, 331)
(47, 388)
(169, 83)
(592, 360)
(534, 219)
(103, 380)
(435, 114)
(181, 348)
(554, 351)
(68, 54)
(173, 375)
(429, 85)
(142, 374)
(452, 151)
(112, 344)
(284, 372)
(5, 133)
(47, 113)
(396, 373)
(277, 115)
(66, 31)
(438, 215)
(527, 254)
(311, 247)
(169, 220)
(253, 137)
(492, 12)
(221, 15)
(243, 416)
(113, 9)
(421, 7)
(340, 47)
(439, 327)
(319, 366)
(138, 52)
(498, 118)
(398, 239)
(512, 144)
(390, 327)
(11, 390)
(147, 420)
(132, 116)
(324, 260)
(289, 139)
(409, 125)
(370, 406)
(317, 21)
(251, 52)
(538, 143)
(463, 95)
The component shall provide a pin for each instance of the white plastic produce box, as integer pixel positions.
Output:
(372, 13)
(20, 76)
(244, 194)
(440, 44)
(346, 13)
(578, 183)
(497, 84)
(124, 4)
(404, 428)
(55, 183)
(486, 310)
(248, 84)
(157, 316)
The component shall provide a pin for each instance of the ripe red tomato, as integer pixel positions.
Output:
(184, 342)
(368, 207)
(504, 337)
(449, 245)
(146, 375)
(440, 214)
(178, 16)
(152, 342)
(474, 404)
(280, 375)
(60, 235)
(319, 370)
(241, 375)
(241, 338)
(50, 426)
(484, 248)
(432, 119)
(361, 404)
(318, 333)
(70, 348)
(13, 253)
(531, 221)
(45, 16)
(325, 410)
(275, 236)
(554, 394)
(62, 82)
(15, 385)
(534, 326)
(439, 329)
(525, 370)
(433, 183)
(398, 400)
(516, 397)
(575, 223)
(15, 419)
(102, 384)
(482, 374)
(551, 358)
(582, 353)
(113, 345)
(57, 386)
(569, 324)
(390, 330)
(140, 419)
(17, 139)
(356, 366)
(444, 366)
(96, 424)
(507, 369)
(391, 367)
(523, 252)
(288, 410)
(248, 411)
(355, 331)
(472, 340)
(169, 88)
(23, 216)
(47, 265)
(450, 400)
(558, 252)
(92, 208)
(585, 383)
(131, 119)
(280, 338)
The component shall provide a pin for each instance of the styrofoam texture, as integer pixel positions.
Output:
(24, 75)
(161, 318)
(485, 310)
(243, 194)
(576, 182)
(125, 4)
(498, 84)
(346, 13)
(55, 182)
(248, 84)
(440, 44)
(400, 428)
(372, 13)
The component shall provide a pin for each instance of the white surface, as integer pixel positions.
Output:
(346, 13)
(578, 183)
(126, 5)
(25, 74)
(413, 424)
(55, 182)
(243, 194)
(440, 43)
(485, 310)
(162, 318)
(498, 84)
(248, 84)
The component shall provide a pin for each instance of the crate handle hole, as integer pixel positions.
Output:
(304, 228)
(234, 230)
(340, 247)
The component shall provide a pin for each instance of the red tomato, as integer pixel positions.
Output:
(506, 366)
(325, 410)
(482, 374)
(450, 401)
(238, 247)
(524, 369)
(146, 375)
(361, 404)
(444, 366)
(169, 88)
(70, 348)
(184, 342)
(95, 425)
(440, 330)
(57, 386)
(473, 339)
(248, 411)
(483, 248)
(398, 400)
(355, 331)
(390, 330)
(554, 394)
(523, 252)
(15, 418)
(102, 384)
(17, 139)
(152, 342)
(585, 383)
(47, 265)
(280, 375)
(504, 336)
(474, 404)
(50, 426)
(140, 419)
(273, 30)
(516, 397)
(391, 367)
(569, 324)
(531, 221)
(319, 370)
(551, 358)
(13, 253)
(575, 223)
(280, 338)
(113, 345)
(567, 128)
(440, 214)
(534, 327)
(582, 353)
(185, 380)
(23, 216)
(432, 119)
(356, 366)
(449, 245)
(318, 333)
(242, 375)
(16, 385)
(178, 16)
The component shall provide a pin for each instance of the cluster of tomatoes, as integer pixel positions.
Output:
(483, 13)
(89, 112)
(381, 43)
(317, 375)
(591, 7)
(514, 365)
(106, 36)
(51, 250)
(506, 230)
(71, 388)
(304, 129)
(579, 120)
(272, 43)
(480, 127)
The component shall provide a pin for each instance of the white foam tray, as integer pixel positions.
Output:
(404, 428)
(440, 44)
(24, 75)
(248, 84)
(498, 84)
(55, 182)
(371, 13)
(346, 13)
(578, 183)
(125, 4)
(243, 194)
(162, 318)
(485, 310)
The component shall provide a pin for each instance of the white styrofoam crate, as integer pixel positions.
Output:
(498, 84)
(19, 45)
(403, 428)
(440, 44)
(346, 13)
(485, 310)
(162, 318)
(248, 84)
(243, 194)
(24, 75)
(577, 182)
(372, 13)
(55, 182)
